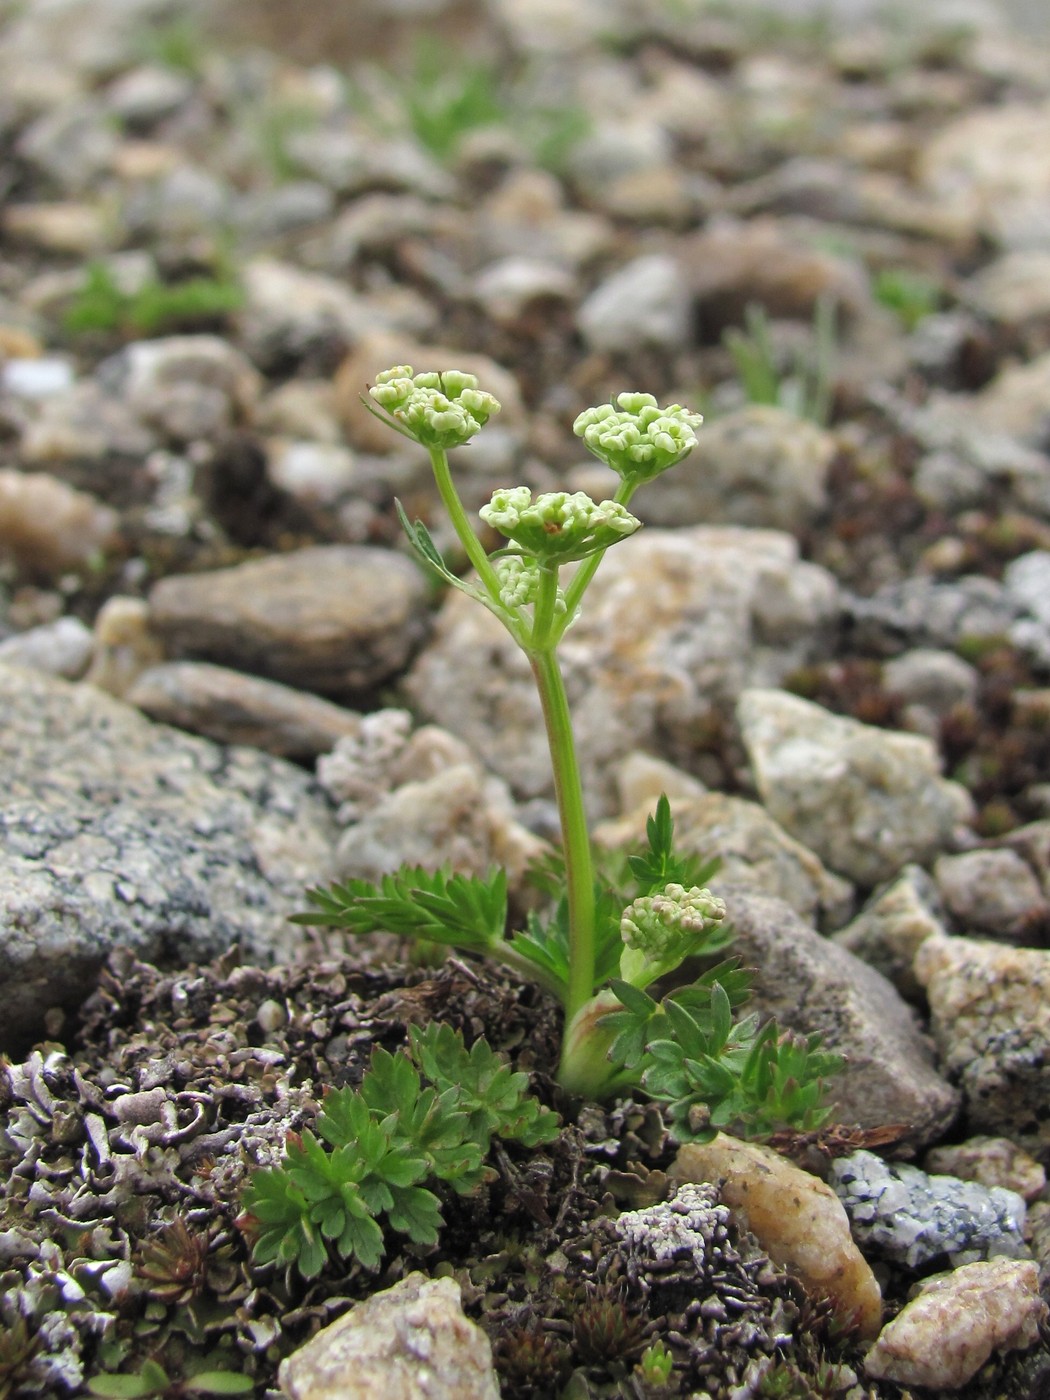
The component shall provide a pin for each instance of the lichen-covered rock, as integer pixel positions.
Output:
(993, 1161)
(119, 831)
(991, 892)
(943, 1337)
(336, 619)
(409, 1342)
(795, 1217)
(888, 931)
(914, 1218)
(811, 984)
(990, 1015)
(867, 800)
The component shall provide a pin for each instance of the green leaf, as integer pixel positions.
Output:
(416, 1212)
(219, 1383)
(423, 546)
(631, 1025)
(660, 866)
(130, 1387)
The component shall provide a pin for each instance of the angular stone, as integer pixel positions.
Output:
(867, 800)
(336, 619)
(889, 930)
(992, 892)
(409, 1342)
(796, 1218)
(942, 1338)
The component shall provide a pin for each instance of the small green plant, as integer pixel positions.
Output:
(178, 44)
(429, 1117)
(655, 1366)
(604, 942)
(103, 306)
(910, 295)
(151, 1380)
(804, 386)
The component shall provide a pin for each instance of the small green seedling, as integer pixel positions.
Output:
(153, 1381)
(604, 942)
(910, 295)
(802, 387)
(101, 306)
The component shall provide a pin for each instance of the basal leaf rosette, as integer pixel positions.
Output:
(438, 409)
(636, 437)
(660, 931)
(558, 526)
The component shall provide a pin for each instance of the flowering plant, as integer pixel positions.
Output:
(606, 940)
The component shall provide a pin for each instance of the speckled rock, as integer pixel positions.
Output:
(810, 984)
(638, 304)
(867, 800)
(930, 682)
(915, 1219)
(119, 831)
(723, 608)
(926, 612)
(993, 893)
(889, 930)
(61, 648)
(990, 1016)
(993, 1161)
(336, 619)
(811, 1239)
(237, 709)
(754, 853)
(943, 1337)
(47, 526)
(409, 1342)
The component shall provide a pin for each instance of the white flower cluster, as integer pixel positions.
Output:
(558, 525)
(653, 923)
(440, 410)
(636, 437)
(519, 580)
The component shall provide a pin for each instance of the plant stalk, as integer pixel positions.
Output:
(462, 526)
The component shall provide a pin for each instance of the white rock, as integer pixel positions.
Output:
(640, 304)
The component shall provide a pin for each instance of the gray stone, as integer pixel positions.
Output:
(61, 648)
(991, 893)
(314, 473)
(1013, 290)
(147, 94)
(889, 930)
(265, 215)
(811, 984)
(639, 304)
(866, 800)
(993, 1161)
(923, 612)
(935, 680)
(914, 1219)
(146, 371)
(236, 709)
(409, 1342)
(990, 1017)
(675, 624)
(71, 145)
(117, 831)
(336, 619)
(1027, 582)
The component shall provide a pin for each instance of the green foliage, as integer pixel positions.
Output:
(376, 1145)
(152, 1380)
(102, 306)
(655, 1364)
(910, 295)
(660, 865)
(178, 44)
(802, 387)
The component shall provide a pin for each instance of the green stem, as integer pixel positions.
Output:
(544, 610)
(579, 871)
(462, 526)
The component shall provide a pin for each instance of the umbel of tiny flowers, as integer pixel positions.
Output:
(636, 437)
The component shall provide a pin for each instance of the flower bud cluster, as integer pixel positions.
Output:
(636, 437)
(654, 923)
(441, 410)
(519, 580)
(558, 526)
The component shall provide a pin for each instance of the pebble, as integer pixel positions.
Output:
(289, 314)
(233, 708)
(991, 893)
(335, 619)
(48, 527)
(59, 648)
(36, 378)
(639, 304)
(990, 1017)
(993, 1161)
(123, 644)
(915, 1219)
(893, 925)
(943, 1336)
(1013, 290)
(408, 1342)
(313, 473)
(866, 800)
(811, 1239)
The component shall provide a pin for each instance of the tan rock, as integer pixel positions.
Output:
(48, 526)
(797, 1219)
(124, 644)
(384, 349)
(410, 1342)
(993, 1161)
(944, 1336)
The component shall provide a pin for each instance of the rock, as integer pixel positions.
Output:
(312, 473)
(811, 1239)
(361, 769)
(303, 410)
(36, 378)
(931, 681)
(63, 226)
(639, 304)
(867, 800)
(72, 145)
(990, 1016)
(526, 216)
(943, 1337)
(267, 215)
(289, 313)
(236, 709)
(993, 893)
(337, 619)
(409, 1342)
(754, 853)
(1027, 582)
(993, 1161)
(512, 288)
(723, 607)
(1014, 290)
(48, 527)
(117, 831)
(641, 778)
(889, 930)
(60, 648)
(993, 163)
(758, 466)
(145, 95)
(124, 645)
(923, 612)
(811, 984)
(153, 377)
(915, 1219)
(1014, 403)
